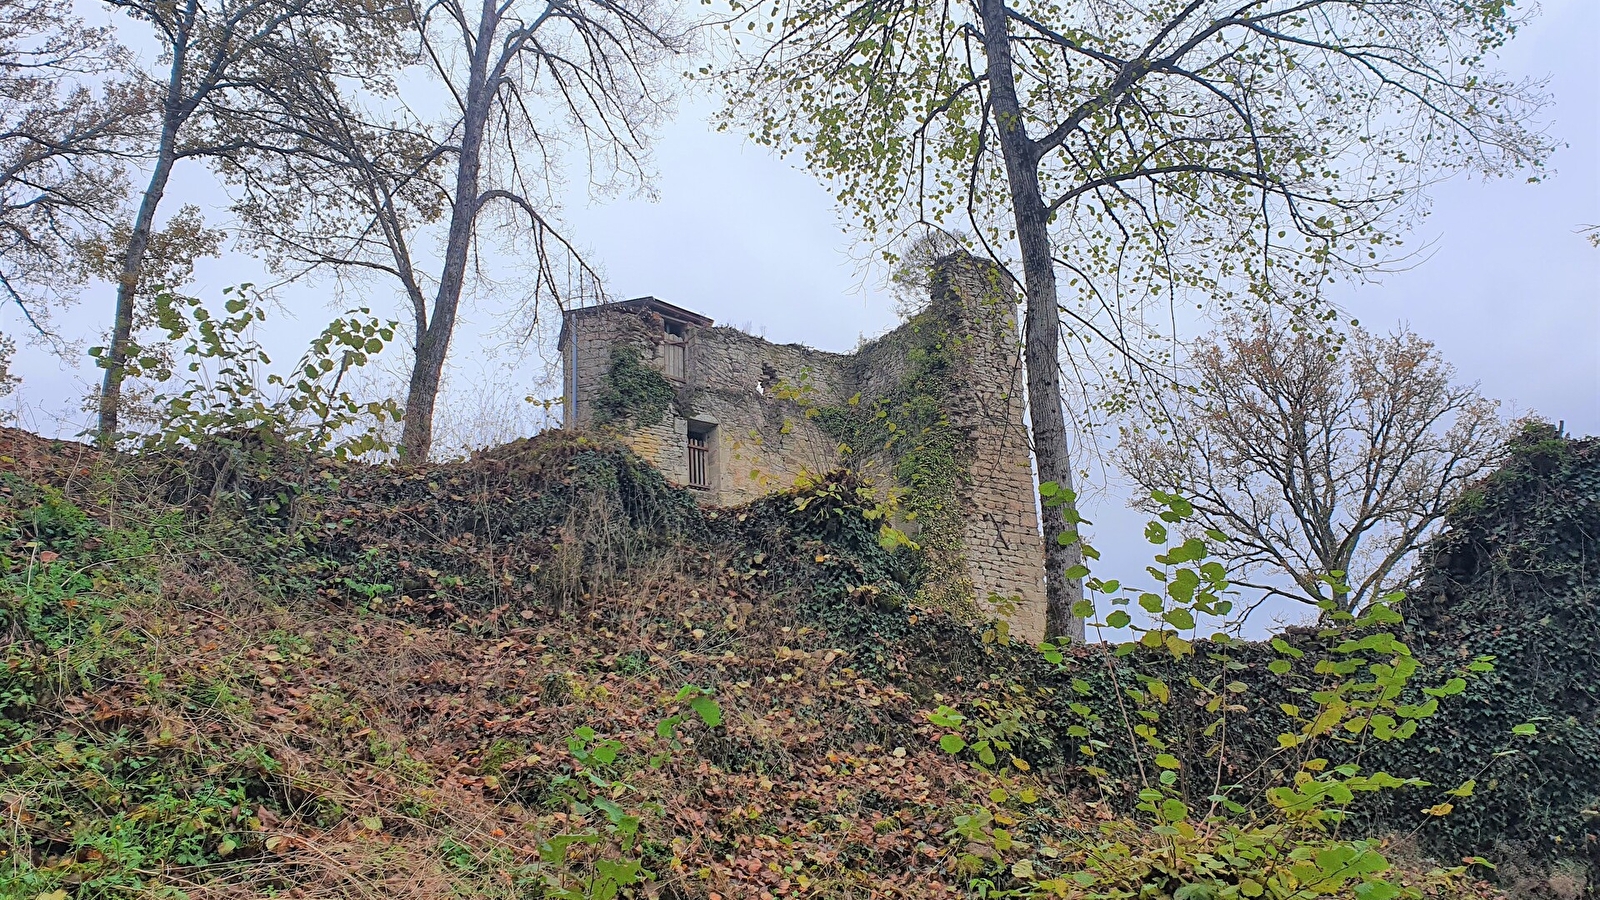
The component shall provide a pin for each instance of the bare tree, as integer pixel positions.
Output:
(68, 121)
(218, 56)
(335, 184)
(911, 280)
(1131, 155)
(1325, 464)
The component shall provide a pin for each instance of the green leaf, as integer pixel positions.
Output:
(1181, 619)
(710, 713)
(953, 743)
(1376, 890)
(1118, 619)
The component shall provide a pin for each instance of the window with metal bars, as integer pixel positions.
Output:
(699, 460)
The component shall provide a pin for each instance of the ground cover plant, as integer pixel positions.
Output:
(544, 672)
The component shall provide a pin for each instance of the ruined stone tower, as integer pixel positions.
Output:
(933, 410)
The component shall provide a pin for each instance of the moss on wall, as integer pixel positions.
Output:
(632, 390)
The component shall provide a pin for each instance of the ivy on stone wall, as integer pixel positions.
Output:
(1516, 575)
(632, 390)
(1511, 760)
(910, 428)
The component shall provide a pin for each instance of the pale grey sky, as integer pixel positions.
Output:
(1503, 282)
(1507, 287)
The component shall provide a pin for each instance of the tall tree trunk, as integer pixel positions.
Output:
(433, 344)
(1042, 321)
(133, 257)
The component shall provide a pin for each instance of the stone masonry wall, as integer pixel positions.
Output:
(664, 444)
(762, 400)
(1004, 551)
(757, 394)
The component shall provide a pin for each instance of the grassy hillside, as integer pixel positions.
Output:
(545, 672)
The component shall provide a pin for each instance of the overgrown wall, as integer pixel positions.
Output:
(932, 411)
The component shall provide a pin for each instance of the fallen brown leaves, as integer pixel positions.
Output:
(419, 752)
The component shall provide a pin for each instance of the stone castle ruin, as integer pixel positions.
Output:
(932, 411)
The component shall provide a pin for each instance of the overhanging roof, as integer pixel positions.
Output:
(661, 308)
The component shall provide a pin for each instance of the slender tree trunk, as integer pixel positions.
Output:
(1041, 322)
(427, 370)
(132, 263)
(433, 344)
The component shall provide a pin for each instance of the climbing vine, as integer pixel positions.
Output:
(909, 428)
(632, 390)
(1515, 574)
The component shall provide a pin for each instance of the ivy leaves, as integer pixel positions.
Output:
(632, 390)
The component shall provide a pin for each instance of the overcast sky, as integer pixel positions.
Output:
(1507, 287)
(1504, 284)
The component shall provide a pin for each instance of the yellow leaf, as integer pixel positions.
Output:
(1443, 809)
(1178, 646)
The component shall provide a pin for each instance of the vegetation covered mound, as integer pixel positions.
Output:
(539, 672)
(1516, 575)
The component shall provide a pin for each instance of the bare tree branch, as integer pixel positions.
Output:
(1324, 464)
(335, 186)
